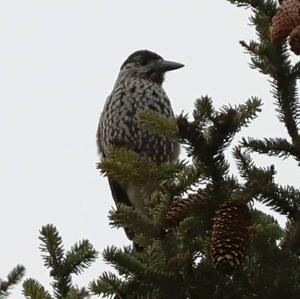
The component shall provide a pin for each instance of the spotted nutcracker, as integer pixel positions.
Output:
(138, 87)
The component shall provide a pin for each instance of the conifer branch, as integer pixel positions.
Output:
(204, 111)
(12, 279)
(123, 261)
(156, 259)
(267, 227)
(243, 161)
(128, 264)
(248, 111)
(210, 161)
(280, 199)
(230, 120)
(271, 146)
(274, 61)
(190, 177)
(80, 257)
(61, 265)
(207, 143)
(125, 216)
(32, 289)
(107, 285)
(260, 183)
(295, 72)
(51, 247)
(126, 166)
(54, 258)
(158, 123)
(264, 6)
(77, 293)
(16, 275)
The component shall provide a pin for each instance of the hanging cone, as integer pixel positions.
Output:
(285, 20)
(183, 208)
(294, 40)
(230, 236)
(4, 285)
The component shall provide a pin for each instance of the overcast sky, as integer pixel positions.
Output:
(58, 62)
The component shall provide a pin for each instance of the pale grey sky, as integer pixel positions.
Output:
(58, 63)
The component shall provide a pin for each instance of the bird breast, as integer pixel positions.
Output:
(119, 124)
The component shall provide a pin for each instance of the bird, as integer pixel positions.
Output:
(138, 87)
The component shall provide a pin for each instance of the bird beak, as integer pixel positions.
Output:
(165, 66)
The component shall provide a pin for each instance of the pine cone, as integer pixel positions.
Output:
(285, 20)
(294, 40)
(184, 207)
(230, 236)
(4, 285)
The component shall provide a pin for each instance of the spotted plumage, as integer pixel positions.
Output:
(138, 87)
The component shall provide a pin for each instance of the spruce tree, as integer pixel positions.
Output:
(202, 235)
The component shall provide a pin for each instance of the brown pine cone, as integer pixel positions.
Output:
(285, 20)
(294, 40)
(185, 207)
(4, 285)
(230, 236)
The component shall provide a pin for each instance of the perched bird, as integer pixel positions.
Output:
(138, 87)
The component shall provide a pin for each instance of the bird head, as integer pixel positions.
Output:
(148, 65)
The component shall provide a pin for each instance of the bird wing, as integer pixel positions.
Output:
(120, 196)
(98, 139)
(118, 193)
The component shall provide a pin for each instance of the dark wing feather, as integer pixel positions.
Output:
(120, 196)
(98, 139)
(118, 193)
